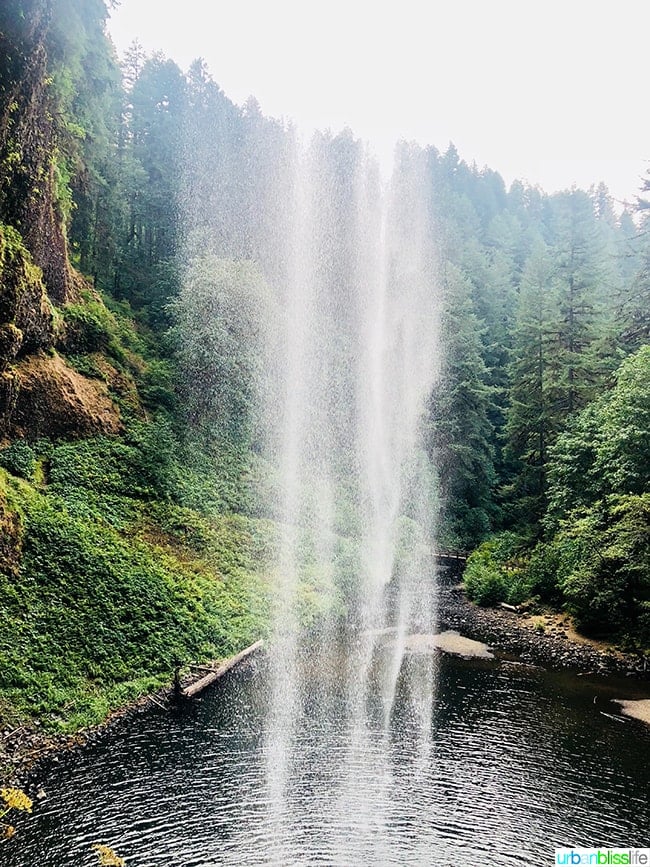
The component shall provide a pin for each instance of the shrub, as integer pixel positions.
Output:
(608, 588)
(484, 581)
(140, 465)
(89, 327)
(93, 615)
(495, 572)
(549, 565)
(19, 459)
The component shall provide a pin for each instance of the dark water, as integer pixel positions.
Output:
(518, 761)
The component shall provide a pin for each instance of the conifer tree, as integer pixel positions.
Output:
(535, 410)
(460, 434)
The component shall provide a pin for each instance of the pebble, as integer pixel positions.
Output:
(500, 629)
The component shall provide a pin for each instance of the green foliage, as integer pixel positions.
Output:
(19, 458)
(459, 428)
(87, 365)
(89, 327)
(135, 466)
(98, 613)
(484, 580)
(549, 564)
(606, 450)
(534, 414)
(216, 477)
(596, 562)
(495, 572)
(156, 386)
(608, 589)
(217, 330)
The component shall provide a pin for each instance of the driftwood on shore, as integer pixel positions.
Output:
(216, 673)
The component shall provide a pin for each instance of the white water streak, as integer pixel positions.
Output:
(360, 358)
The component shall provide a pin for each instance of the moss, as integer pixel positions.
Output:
(42, 395)
(11, 535)
(26, 316)
(11, 339)
(89, 327)
(97, 613)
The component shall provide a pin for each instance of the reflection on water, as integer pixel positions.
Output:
(519, 761)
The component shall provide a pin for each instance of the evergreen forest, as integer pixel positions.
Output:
(135, 524)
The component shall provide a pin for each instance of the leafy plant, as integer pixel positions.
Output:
(19, 458)
(495, 571)
(12, 799)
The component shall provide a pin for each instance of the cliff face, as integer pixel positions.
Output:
(29, 138)
(43, 396)
(39, 393)
(26, 314)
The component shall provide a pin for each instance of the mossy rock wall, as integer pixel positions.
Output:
(43, 396)
(29, 137)
(26, 315)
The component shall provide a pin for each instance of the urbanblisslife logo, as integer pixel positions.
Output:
(602, 856)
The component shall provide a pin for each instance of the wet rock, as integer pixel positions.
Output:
(41, 395)
(508, 633)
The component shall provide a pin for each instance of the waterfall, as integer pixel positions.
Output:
(355, 356)
(341, 325)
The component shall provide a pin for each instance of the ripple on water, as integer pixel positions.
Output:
(518, 761)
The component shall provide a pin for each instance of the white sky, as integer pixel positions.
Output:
(551, 91)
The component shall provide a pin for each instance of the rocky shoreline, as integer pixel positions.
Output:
(546, 640)
(24, 748)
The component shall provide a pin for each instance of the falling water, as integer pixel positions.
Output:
(349, 342)
(331, 760)
(354, 363)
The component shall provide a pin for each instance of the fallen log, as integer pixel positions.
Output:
(155, 701)
(611, 716)
(217, 673)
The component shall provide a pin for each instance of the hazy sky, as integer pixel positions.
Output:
(551, 91)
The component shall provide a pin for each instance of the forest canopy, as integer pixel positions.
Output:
(136, 259)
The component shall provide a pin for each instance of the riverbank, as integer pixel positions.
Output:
(23, 748)
(548, 639)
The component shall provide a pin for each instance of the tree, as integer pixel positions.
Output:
(460, 436)
(218, 316)
(608, 587)
(633, 311)
(158, 100)
(583, 350)
(606, 448)
(535, 410)
(211, 171)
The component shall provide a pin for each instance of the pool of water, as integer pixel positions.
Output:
(517, 761)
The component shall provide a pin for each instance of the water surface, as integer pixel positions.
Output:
(517, 761)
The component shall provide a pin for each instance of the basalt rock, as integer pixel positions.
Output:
(30, 134)
(26, 315)
(42, 396)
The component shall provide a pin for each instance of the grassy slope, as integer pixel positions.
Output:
(97, 607)
(121, 555)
